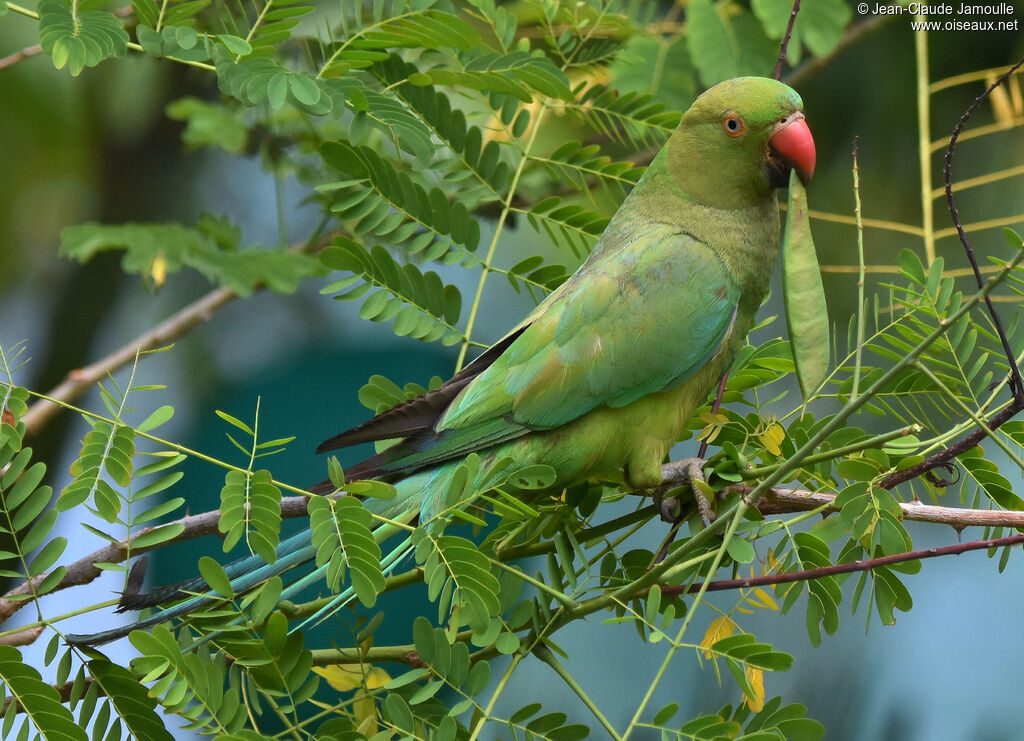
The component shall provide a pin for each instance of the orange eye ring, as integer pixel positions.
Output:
(733, 125)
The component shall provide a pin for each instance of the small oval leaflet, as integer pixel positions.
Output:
(803, 294)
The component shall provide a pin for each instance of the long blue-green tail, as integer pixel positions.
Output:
(247, 573)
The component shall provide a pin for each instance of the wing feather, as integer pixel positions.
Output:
(636, 320)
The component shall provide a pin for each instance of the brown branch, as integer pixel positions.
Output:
(1016, 383)
(81, 380)
(84, 570)
(785, 39)
(847, 568)
(12, 59)
(777, 501)
(961, 446)
(783, 501)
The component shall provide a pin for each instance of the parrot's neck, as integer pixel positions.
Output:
(745, 238)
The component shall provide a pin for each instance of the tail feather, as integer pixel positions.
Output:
(245, 573)
(388, 564)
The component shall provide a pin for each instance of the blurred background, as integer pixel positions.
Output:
(100, 148)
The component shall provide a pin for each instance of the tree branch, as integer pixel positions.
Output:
(1016, 383)
(777, 501)
(12, 59)
(847, 568)
(83, 571)
(81, 380)
(785, 39)
(783, 501)
(961, 446)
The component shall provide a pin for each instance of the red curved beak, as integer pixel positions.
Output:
(792, 143)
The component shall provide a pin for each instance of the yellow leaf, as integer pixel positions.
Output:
(347, 678)
(766, 599)
(713, 424)
(756, 679)
(365, 710)
(772, 437)
(720, 627)
(158, 270)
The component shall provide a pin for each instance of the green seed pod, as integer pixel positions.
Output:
(803, 294)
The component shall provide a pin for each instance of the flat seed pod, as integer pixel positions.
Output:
(803, 294)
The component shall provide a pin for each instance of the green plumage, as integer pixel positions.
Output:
(604, 374)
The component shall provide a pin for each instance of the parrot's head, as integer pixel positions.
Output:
(739, 141)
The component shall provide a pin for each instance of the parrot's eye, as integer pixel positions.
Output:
(733, 125)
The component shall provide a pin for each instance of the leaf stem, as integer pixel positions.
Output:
(875, 441)
(860, 275)
(505, 210)
(924, 142)
(545, 654)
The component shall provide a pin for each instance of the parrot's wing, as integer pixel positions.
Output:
(634, 322)
(421, 413)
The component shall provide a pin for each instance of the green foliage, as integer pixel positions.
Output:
(79, 39)
(190, 684)
(250, 505)
(345, 545)
(212, 248)
(208, 125)
(727, 41)
(106, 449)
(458, 578)
(818, 27)
(421, 305)
(38, 702)
(804, 294)
(386, 203)
(518, 74)
(181, 13)
(26, 521)
(131, 701)
(421, 129)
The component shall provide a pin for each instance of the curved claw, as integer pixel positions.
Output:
(679, 474)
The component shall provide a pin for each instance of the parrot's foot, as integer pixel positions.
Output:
(682, 473)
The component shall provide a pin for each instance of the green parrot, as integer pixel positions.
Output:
(605, 373)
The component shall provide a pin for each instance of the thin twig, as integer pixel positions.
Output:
(1016, 405)
(961, 446)
(1016, 383)
(860, 274)
(848, 568)
(12, 59)
(714, 410)
(785, 39)
(81, 380)
(777, 501)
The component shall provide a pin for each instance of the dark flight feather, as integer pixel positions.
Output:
(419, 414)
